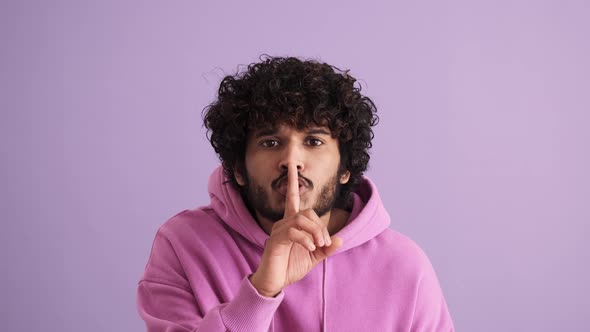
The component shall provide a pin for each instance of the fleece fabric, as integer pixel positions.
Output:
(196, 277)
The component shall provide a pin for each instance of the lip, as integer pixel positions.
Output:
(282, 187)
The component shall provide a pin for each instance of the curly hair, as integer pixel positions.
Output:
(298, 93)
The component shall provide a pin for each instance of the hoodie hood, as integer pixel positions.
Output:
(367, 219)
(197, 275)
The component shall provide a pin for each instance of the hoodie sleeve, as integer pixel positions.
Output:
(431, 313)
(167, 303)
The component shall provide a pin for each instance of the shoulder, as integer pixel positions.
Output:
(399, 241)
(189, 239)
(191, 227)
(402, 252)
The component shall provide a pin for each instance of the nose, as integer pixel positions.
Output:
(292, 154)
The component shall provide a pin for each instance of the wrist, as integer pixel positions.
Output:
(255, 283)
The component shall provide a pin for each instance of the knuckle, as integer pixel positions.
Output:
(276, 228)
(307, 212)
(300, 220)
(311, 215)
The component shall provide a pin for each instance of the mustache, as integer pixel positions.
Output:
(284, 177)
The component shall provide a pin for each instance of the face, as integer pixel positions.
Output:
(270, 151)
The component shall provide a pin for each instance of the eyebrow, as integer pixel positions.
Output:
(273, 131)
(265, 132)
(318, 131)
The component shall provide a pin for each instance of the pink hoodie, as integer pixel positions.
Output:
(196, 275)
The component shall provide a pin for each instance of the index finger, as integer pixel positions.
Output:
(292, 195)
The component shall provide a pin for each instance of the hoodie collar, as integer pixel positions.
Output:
(367, 219)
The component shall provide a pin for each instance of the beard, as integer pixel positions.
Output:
(258, 199)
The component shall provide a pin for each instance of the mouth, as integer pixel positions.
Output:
(282, 184)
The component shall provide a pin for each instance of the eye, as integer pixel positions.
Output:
(314, 141)
(269, 143)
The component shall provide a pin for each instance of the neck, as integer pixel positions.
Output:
(334, 219)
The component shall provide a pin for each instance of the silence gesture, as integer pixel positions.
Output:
(296, 244)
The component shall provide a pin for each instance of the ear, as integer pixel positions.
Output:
(238, 175)
(345, 177)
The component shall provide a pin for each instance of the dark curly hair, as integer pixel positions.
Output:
(298, 93)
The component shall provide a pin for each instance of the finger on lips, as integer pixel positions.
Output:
(292, 197)
(309, 222)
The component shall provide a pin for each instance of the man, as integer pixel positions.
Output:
(295, 237)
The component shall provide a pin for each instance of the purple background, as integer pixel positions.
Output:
(479, 157)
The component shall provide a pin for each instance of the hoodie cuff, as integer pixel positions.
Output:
(250, 311)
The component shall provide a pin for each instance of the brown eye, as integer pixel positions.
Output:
(314, 142)
(269, 143)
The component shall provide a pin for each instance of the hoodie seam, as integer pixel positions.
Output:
(416, 300)
(324, 296)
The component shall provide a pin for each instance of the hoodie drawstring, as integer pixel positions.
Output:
(324, 297)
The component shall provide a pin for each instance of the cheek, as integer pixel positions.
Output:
(252, 161)
(260, 170)
(324, 171)
(259, 160)
(328, 162)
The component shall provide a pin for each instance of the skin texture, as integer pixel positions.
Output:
(300, 239)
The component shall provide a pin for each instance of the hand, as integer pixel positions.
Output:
(296, 244)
